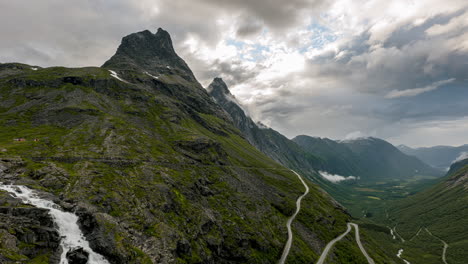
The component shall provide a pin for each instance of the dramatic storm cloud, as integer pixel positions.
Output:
(391, 69)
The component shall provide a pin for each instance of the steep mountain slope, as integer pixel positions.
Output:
(267, 140)
(337, 157)
(359, 197)
(156, 171)
(441, 213)
(440, 157)
(370, 159)
(272, 143)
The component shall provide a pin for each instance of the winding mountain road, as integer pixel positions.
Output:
(330, 245)
(399, 253)
(444, 251)
(325, 252)
(358, 240)
(398, 235)
(287, 247)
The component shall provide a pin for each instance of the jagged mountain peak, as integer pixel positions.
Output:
(164, 38)
(158, 42)
(218, 87)
(219, 80)
(145, 43)
(220, 92)
(148, 52)
(162, 142)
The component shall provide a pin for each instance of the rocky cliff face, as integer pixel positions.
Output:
(267, 140)
(26, 232)
(155, 169)
(151, 53)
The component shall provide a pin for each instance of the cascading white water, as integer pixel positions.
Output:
(67, 223)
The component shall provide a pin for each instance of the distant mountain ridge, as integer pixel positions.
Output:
(370, 159)
(367, 158)
(155, 169)
(440, 157)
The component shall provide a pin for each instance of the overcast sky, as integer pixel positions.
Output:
(396, 69)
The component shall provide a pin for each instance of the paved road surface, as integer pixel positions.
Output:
(287, 247)
(444, 251)
(358, 240)
(400, 252)
(330, 245)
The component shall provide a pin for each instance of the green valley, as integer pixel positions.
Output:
(384, 191)
(155, 171)
(136, 162)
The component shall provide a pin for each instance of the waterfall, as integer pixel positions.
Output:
(67, 223)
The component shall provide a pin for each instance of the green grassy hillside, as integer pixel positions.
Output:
(156, 171)
(428, 219)
(370, 159)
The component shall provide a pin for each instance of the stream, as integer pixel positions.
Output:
(67, 223)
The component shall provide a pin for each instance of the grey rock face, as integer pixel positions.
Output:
(77, 256)
(267, 140)
(27, 226)
(153, 56)
(153, 53)
(99, 238)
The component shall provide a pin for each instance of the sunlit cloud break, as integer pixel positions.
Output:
(335, 178)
